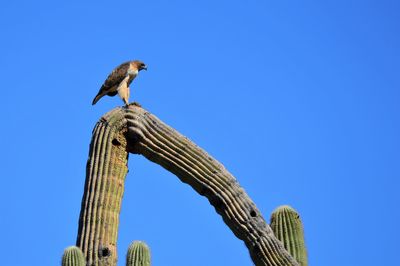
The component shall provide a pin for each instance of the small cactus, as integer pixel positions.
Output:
(138, 254)
(288, 228)
(73, 256)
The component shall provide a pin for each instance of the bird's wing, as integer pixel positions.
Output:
(117, 75)
(112, 81)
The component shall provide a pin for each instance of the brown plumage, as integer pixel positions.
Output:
(119, 80)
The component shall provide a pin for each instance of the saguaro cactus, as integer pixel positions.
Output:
(135, 130)
(73, 256)
(101, 203)
(138, 254)
(288, 228)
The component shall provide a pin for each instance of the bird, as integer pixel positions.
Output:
(119, 79)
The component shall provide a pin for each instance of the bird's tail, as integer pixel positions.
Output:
(97, 98)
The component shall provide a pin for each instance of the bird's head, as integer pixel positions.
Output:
(140, 65)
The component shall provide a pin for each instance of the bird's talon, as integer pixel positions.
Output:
(136, 104)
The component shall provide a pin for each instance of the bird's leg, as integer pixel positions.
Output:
(123, 90)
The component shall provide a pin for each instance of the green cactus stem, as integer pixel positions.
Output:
(101, 203)
(135, 130)
(138, 254)
(73, 256)
(288, 228)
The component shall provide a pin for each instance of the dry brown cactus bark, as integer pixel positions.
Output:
(135, 130)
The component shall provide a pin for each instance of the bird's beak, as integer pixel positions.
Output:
(144, 67)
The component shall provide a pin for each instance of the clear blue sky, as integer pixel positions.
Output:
(300, 101)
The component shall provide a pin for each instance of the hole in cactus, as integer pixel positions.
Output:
(105, 252)
(115, 142)
(253, 213)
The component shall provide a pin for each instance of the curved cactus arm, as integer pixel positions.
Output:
(138, 254)
(287, 226)
(73, 256)
(149, 136)
(135, 130)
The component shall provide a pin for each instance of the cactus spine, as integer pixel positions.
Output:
(73, 256)
(288, 228)
(138, 254)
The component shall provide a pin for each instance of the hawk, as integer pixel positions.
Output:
(119, 80)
